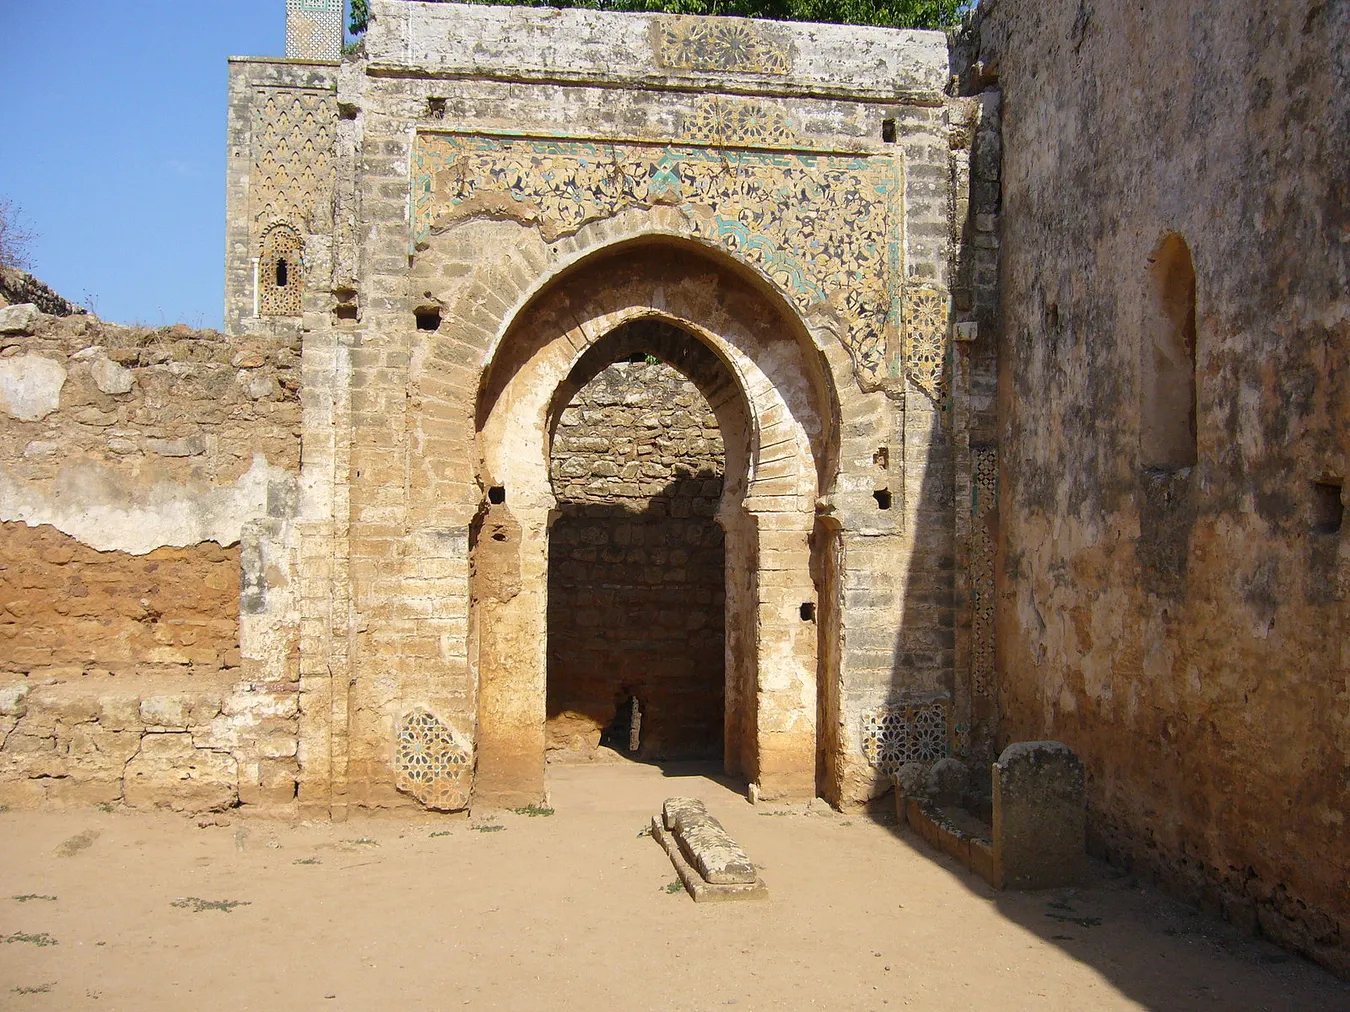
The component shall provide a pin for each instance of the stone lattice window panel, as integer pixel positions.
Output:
(925, 324)
(689, 43)
(293, 170)
(902, 733)
(983, 500)
(823, 227)
(431, 765)
(738, 121)
(280, 272)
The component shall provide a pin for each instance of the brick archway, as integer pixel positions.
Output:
(781, 397)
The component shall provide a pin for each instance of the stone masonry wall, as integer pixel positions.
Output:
(1181, 624)
(636, 565)
(147, 478)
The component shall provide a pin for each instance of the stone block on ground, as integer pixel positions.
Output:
(710, 863)
(1039, 816)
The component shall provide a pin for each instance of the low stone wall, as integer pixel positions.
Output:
(147, 627)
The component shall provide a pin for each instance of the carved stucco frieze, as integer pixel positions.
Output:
(824, 227)
(725, 45)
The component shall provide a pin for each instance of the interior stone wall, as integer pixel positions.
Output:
(636, 566)
(1182, 628)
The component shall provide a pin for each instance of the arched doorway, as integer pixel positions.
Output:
(769, 385)
(636, 586)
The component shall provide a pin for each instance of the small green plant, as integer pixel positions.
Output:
(644, 831)
(34, 896)
(41, 940)
(533, 810)
(440, 832)
(105, 806)
(490, 827)
(364, 841)
(306, 860)
(34, 989)
(4, 809)
(672, 888)
(197, 905)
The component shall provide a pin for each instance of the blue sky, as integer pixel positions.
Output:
(113, 145)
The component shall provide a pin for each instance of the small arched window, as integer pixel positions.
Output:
(279, 275)
(1167, 408)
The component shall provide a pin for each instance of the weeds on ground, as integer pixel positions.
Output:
(197, 905)
(106, 806)
(672, 888)
(533, 810)
(364, 841)
(34, 896)
(41, 940)
(34, 989)
(440, 832)
(489, 827)
(306, 860)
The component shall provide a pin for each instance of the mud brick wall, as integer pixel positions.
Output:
(147, 480)
(66, 605)
(636, 565)
(1180, 623)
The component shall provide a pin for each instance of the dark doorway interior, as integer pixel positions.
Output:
(636, 642)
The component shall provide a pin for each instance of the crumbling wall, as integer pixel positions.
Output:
(1182, 626)
(636, 569)
(147, 480)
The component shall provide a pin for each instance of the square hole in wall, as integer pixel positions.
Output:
(1328, 512)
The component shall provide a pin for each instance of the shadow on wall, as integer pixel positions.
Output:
(636, 602)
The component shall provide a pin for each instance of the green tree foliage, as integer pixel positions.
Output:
(882, 13)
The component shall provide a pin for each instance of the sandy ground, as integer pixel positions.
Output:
(114, 910)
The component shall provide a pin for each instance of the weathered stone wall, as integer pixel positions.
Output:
(147, 630)
(636, 564)
(19, 287)
(1182, 626)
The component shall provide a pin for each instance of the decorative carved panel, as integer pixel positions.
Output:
(293, 174)
(722, 120)
(984, 499)
(824, 228)
(280, 272)
(907, 732)
(925, 328)
(725, 45)
(430, 765)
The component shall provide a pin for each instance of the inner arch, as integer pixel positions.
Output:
(636, 572)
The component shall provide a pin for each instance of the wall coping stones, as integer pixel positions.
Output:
(654, 50)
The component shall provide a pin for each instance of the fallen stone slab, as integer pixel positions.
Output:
(710, 863)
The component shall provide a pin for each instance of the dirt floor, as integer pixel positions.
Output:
(579, 910)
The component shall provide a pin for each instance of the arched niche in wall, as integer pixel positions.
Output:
(280, 275)
(1167, 406)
